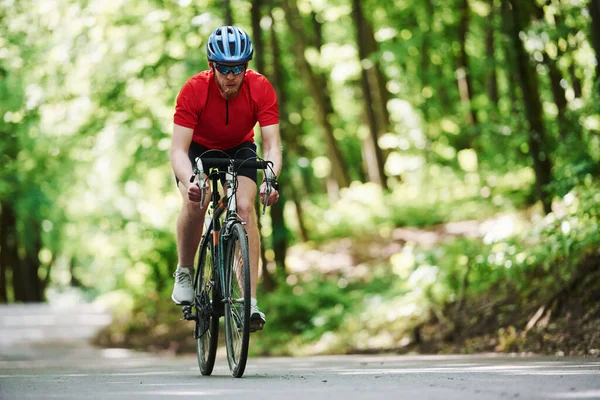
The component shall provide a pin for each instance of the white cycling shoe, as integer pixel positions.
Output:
(183, 290)
(257, 317)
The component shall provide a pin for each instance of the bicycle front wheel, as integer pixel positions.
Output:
(237, 300)
(207, 300)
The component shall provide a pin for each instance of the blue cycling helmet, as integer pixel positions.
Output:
(229, 44)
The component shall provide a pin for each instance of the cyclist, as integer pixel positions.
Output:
(217, 109)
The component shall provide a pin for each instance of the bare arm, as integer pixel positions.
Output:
(271, 144)
(180, 144)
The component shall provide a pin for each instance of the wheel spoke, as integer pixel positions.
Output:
(238, 301)
(208, 325)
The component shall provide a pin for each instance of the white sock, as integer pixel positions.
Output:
(253, 301)
(188, 267)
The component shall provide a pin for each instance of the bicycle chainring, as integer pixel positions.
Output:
(204, 310)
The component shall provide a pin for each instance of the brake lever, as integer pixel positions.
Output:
(269, 179)
(201, 183)
(266, 200)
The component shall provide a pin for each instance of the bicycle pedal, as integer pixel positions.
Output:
(256, 325)
(187, 313)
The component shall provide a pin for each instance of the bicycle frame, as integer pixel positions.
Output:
(220, 230)
(231, 216)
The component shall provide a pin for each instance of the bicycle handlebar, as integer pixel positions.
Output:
(270, 177)
(238, 162)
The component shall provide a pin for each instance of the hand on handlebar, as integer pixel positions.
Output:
(271, 198)
(194, 193)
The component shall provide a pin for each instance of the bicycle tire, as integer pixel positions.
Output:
(207, 288)
(237, 304)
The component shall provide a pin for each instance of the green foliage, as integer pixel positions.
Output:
(524, 261)
(425, 199)
(552, 247)
(301, 313)
(87, 89)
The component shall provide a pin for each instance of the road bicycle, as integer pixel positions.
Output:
(222, 279)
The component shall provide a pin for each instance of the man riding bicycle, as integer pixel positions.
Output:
(217, 109)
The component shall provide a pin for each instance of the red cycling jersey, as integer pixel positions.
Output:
(223, 124)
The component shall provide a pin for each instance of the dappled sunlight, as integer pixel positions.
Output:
(423, 276)
(443, 230)
(116, 353)
(582, 394)
(499, 229)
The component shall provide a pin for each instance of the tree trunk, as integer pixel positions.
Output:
(9, 253)
(575, 80)
(318, 28)
(377, 79)
(317, 86)
(463, 75)
(375, 162)
(290, 135)
(268, 281)
(299, 214)
(31, 264)
(490, 40)
(9, 258)
(280, 230)
(228, 12)
(594, 7)
(509, 52)
(533, 107)
(558, 92)
(46, 281)
(257, 42)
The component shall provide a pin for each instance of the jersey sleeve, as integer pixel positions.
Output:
(268, 110)
(187, 109)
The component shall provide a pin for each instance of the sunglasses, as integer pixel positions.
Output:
(226, 69)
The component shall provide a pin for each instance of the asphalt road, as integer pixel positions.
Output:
(82, 372)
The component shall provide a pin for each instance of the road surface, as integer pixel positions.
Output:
(78, 371)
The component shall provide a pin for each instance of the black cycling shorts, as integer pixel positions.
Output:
(246, 150)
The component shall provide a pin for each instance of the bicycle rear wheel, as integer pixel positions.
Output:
(237, 296)
(207, 298)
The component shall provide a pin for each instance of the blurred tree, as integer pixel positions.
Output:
(490, 41)
(259, 60)
(291, 135)
(257, 38)
(558, 92)
(463, 72)
(594, 8)
(512, 77)
(375, 160)
(533, 107)
(28, 173)
(316, 84)
(291, 147)
(87, 89)
(228, 12)
(431, 72)
(9, 259)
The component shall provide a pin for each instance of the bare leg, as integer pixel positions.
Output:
(246, 193)
(189, 229)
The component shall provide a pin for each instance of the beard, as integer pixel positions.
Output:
(229, 92)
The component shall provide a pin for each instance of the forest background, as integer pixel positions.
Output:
(440, 186)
